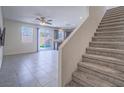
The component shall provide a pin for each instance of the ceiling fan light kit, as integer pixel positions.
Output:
(43, 21)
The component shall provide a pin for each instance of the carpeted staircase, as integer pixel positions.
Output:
(103, 63)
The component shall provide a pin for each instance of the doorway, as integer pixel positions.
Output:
(45, 41)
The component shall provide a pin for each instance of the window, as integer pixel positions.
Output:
(61, 35)
(27, 34)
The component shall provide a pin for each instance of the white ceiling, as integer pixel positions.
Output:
(62, 16)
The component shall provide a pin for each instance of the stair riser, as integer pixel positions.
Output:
(102, 76)
(107, 63)
(112, 21)
(105, 53)
(73, 84)
(112, 18)
(114, 14)
(115, 10)
(111, 46)
(120, 8)
(108, 14)
(108, 39)
(110, 34)
(110, 25)
(91, 80)
(81, 82)
(112, 29)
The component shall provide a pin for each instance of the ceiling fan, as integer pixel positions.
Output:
(43, 21)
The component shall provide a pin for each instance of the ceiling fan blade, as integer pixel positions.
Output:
(49, 20)
(42, 19)
(48, 23)
(38, 19)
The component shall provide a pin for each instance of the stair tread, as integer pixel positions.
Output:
(98, 42)
(109, 12)
(116, 31)
(113, 27)
(112, 21)
(100, 67)
(115, 9)
(73, 84)
(112, 18)
(106, 61)
(103, 70)
(108, 45)
(111, 52)
(110, 27)
(91, 79)
(117, 23)
(119, 15)
(105, 58)
(103, 62)
(113, 15)
(102, 37)
(107, 49)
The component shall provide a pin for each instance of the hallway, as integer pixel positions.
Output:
(30, 70)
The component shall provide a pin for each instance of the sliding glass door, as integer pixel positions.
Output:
(44, 39)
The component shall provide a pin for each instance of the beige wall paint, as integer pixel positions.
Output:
(71, 51)
(13, 42)
(1, 26)
(86, 12)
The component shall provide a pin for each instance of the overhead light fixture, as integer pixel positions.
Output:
(42, 23)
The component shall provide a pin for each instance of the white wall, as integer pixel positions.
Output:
(71, 50)
(1, 26)
(63, 60)
(13, 42)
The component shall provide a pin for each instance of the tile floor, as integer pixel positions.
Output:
(30, 70)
